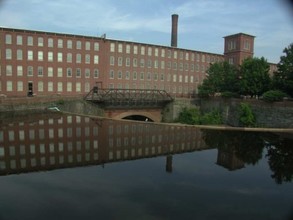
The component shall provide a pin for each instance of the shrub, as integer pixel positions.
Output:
(193, 116)
(228, 94)
(246, 117)
(274, 96)
(212, 118)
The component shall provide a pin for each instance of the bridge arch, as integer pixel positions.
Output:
(152, 114)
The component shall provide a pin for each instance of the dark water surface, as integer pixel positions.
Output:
(71, 167)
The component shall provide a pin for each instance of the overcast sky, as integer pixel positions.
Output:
(202, 23)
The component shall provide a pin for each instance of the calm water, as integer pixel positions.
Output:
(72, 167)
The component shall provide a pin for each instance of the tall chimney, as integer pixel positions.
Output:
(174, 30)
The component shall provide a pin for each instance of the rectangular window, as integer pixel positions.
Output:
(149, 51)
(69, 58)
(162, 64)
(50, 86)
(40, 55)
(96, 59)
(156, 52)
(40, 42)
(87, 58)
(59, 57)
(134, 76)
(112, 47)
(87, 45)
(8, 70)
(30, 55)
(60, 86)
(19, 86)
(8, 39)
(120, 60)
(142, 63)
(69, 44)
(40, 86)
(128, 48)
(134, 49)
(120, 48)
(69, 87)
(127, 61)
(9, 86)
(142, 76)
(78, 87)
(78, 45)
(134, 62)
(112, 60)
(19, 54)
(87, 73)
(69, 72)
(19, 40)
(60, 43)
(111, 74)
(8, 54)
(40, 71)
(163, 53)
(19, 70)
(50, 71)
(30, 41)
(50, 42)
(127, 75)
(78, 58)
(59, 72)
(30, 71)
(50, 56)
(96, 73)
(142, 50)
(78, 72)
(175, 54)
(96, 46)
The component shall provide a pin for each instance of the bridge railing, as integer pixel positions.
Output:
(128, 97)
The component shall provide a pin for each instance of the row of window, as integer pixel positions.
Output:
(49, 72)
(156, 64)
(50, 56)
(150, 51)
(154, 76)
(78, 87)
(51, 42)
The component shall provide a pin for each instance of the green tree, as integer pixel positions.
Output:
(221, 77)
(283, 78)
(255, 79)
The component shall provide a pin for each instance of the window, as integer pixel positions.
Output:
(181, 55)
(9, 86)
(96, 59)
(60, 43)
(30, 71)
(59, 72)
(78, 72)
(111, 74)
(232, 45)
(40, 42)
(59, 57)
(112, 47)
(78, 87)
(50, 56)
(148, 76)
(169, 54)
(19, 54)
(78, 58)
(163, 53)
(8, 54)
(19, 86)
(127, 75)
(119, 75)
(120, 60)
(149, 63)
(30, 41)
(69, 57)
(187, 56)
(156, 64)
(50, 42)
(142, 76)
(134, 76)
(141, 62)
(149, 51)
(30, 55)
(127, 61)
(69, 87)
(8, 39)
(112, 60)
(203, 58)
(59, 86)
(87, 58)
(96, 73)
(87, 73)
(40, 55)
(134, 62)
(50, 86)
(19, 40)
(40, 71)
(120, 48)
(246, 45)
(135, 49)
(87, 45)
(8, 70)
(156, 52)
(69, 72)
(142, 50)
(40, 86)
(175, 54)
(78, 45)
(162, 64)
(50, 71)
(128, 48)
(19, 70)
(96, 46)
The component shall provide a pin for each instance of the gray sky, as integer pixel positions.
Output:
(202, 23)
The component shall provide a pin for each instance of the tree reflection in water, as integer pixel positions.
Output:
(249, 146)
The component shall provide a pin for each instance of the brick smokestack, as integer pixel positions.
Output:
(174, 30)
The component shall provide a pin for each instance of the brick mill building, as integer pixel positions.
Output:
(38, 63)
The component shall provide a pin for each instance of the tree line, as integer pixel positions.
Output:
(251, 78)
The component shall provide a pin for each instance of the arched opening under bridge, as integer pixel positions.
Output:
(138, 118)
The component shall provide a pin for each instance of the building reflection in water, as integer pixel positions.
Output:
(61, 141)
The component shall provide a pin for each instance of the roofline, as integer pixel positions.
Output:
(232, 35)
